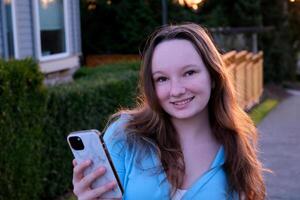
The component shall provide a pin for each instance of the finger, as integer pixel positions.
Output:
(78, 171)
(98, 192)
(87, 180)
(74, 162)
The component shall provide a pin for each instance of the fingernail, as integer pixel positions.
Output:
(113, 184)
(101, 169)
(88, 162)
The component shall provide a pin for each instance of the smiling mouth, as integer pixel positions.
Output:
(185, 101)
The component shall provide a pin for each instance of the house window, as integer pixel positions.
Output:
(52, 27)
(8, 30)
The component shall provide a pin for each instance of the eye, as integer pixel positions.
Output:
(189, 73)
(161, 79)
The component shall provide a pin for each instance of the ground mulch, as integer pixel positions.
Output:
(99, 60)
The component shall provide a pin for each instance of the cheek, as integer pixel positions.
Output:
(162, 92)
(204, 83)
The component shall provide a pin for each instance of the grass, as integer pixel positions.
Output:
(260, 111)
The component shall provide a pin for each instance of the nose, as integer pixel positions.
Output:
(177, 88)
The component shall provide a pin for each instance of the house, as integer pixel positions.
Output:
(46, 30)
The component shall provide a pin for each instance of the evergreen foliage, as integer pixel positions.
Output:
(84, 104)
(22, 108)
(244, 12)
(119, 27)
(35, 160)
(279, 53)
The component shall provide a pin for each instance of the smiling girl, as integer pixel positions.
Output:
(187, 138)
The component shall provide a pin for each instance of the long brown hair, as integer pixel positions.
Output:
(231, 126)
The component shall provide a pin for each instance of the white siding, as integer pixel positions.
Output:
(24, 13)
(25, 28)
(24, 25)
(75, 34)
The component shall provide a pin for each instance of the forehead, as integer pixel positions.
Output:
(175, 53)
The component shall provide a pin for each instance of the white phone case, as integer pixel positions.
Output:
(93, 150)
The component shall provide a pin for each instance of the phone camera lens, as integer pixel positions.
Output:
(76, 143)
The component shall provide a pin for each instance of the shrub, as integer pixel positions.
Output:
(22, 107)
(35, 160)
(84, 104)
(103, 71)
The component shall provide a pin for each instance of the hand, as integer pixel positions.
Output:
(82, 184)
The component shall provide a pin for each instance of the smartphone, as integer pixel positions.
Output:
(89, 144)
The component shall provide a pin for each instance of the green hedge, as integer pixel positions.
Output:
(109, 69)
(22, 108)
(35, 160)
(84, 104)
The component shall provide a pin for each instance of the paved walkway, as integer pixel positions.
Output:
(280, 149)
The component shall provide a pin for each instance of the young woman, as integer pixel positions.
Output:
(187, 138)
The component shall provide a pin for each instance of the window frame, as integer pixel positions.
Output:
(37, 31)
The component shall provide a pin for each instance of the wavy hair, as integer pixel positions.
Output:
(231, 126)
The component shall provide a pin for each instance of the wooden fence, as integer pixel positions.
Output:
(246, 73)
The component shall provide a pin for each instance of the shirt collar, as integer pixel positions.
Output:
(219, 158)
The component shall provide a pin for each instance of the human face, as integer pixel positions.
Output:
(182, 81)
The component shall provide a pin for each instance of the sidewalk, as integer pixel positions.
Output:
(280, 149)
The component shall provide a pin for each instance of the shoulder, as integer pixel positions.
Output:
(117, 128)
(115, 136)
(121, 141)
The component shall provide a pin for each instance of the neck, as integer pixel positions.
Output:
(196, 128)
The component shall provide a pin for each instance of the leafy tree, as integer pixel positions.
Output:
(243, 12)
(179, 14)
(233, 13)
(277, 45)
(294, 22)
(122, 26)
(137, 19)
(213, 14)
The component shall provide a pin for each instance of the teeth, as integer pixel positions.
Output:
(183, 102)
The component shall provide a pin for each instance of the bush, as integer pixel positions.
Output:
(35, 160)
(84, 104)
(22, 100)
(103, 71)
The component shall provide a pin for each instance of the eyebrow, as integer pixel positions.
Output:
(183, 68)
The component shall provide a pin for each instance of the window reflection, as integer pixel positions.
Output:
(52, 29)
(8, 29)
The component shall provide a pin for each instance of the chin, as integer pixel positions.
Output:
(182, 116)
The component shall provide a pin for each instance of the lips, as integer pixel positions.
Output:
(182, 102)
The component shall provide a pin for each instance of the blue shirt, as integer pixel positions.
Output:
(143, 177)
